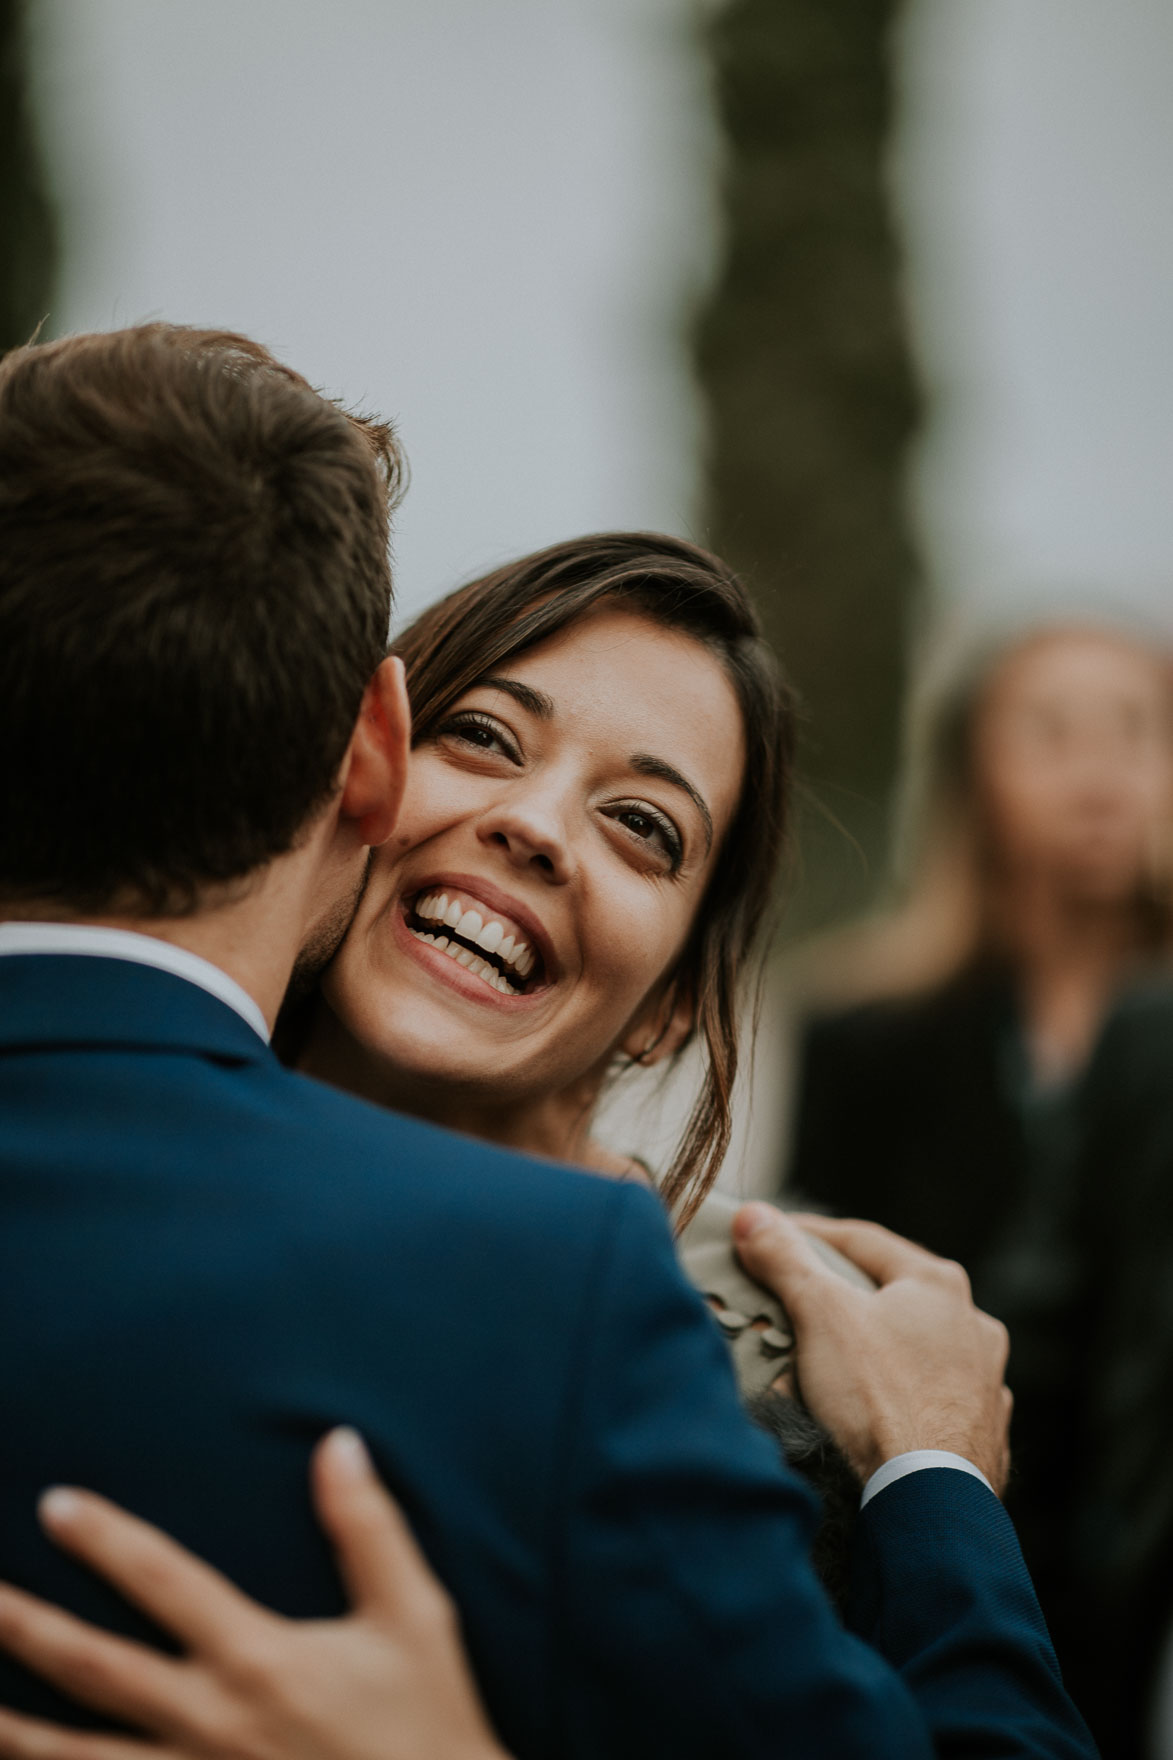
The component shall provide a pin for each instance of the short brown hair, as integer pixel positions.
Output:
(194, 594)
(674, 583)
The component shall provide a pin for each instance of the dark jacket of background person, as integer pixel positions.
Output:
(917, 1113)
(1120, 1603)
(905, 1114)
(206, 1261)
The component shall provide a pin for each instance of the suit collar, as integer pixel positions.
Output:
(54, 1000)
(99, 939)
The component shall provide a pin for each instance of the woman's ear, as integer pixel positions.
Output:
(662, 1026)
(374, 771)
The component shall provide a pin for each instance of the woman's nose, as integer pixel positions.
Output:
(532, 835)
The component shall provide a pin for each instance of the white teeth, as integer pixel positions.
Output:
(472, 962)
(490, 937)
(444, 913)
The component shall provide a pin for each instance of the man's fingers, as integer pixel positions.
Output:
(180, 1591)
(380, 1561)
(110, 1674)
(27, 1738)
(883, 1255)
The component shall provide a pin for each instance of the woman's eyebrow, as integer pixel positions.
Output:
(537, 702)
(646, 765)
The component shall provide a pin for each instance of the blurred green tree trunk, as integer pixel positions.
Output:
(28, 230)
(804, 363)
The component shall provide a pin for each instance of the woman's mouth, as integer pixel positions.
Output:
(485, 942)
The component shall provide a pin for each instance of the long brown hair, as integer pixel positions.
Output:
(673, 583)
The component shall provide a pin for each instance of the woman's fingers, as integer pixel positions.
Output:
(27, 1738)
(381, 1564)
(185, 1595)
(111, 1674)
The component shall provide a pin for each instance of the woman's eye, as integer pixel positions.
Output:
(654, 829)
(639, 823)
(481, 733)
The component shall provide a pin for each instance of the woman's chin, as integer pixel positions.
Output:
(440, 1042)
(423, 1038)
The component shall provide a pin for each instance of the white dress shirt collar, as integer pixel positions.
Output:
(143, 950)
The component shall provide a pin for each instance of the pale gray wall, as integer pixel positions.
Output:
(479, 216)
(485, 216)
(1036, 164)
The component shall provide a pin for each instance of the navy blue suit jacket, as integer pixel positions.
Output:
(205, 1261)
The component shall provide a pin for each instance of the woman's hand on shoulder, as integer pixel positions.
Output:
(389, 1681)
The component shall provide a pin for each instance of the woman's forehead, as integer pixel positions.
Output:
(1079, 665)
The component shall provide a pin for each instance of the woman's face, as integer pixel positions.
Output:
(1074, 758)
(562, 819)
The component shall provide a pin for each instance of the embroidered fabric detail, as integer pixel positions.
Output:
(753, 1321)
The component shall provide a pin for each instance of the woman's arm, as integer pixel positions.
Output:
(388, 1682)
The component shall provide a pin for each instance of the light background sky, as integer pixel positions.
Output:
(486, 217)
(482, 217)
(1035, 162)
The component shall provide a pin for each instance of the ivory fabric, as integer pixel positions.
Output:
(756, 1325)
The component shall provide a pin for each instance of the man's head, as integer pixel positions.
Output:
(194, 596)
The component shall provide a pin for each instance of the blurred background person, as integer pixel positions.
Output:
(939, 1080)
(937, 1073)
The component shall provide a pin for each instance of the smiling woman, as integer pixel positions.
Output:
(584, 859)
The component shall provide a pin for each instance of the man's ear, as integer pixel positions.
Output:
(374, 771)
(662, 1026)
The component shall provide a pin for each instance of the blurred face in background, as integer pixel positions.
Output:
(1073, 759)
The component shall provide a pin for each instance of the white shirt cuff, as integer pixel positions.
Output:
(915, 1462)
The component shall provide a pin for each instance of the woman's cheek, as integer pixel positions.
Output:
(435, 795)
(631, 957)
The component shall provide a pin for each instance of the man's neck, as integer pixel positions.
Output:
(253, 932)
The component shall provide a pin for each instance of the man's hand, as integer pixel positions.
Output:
(911, 1364)
(389, 1681)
